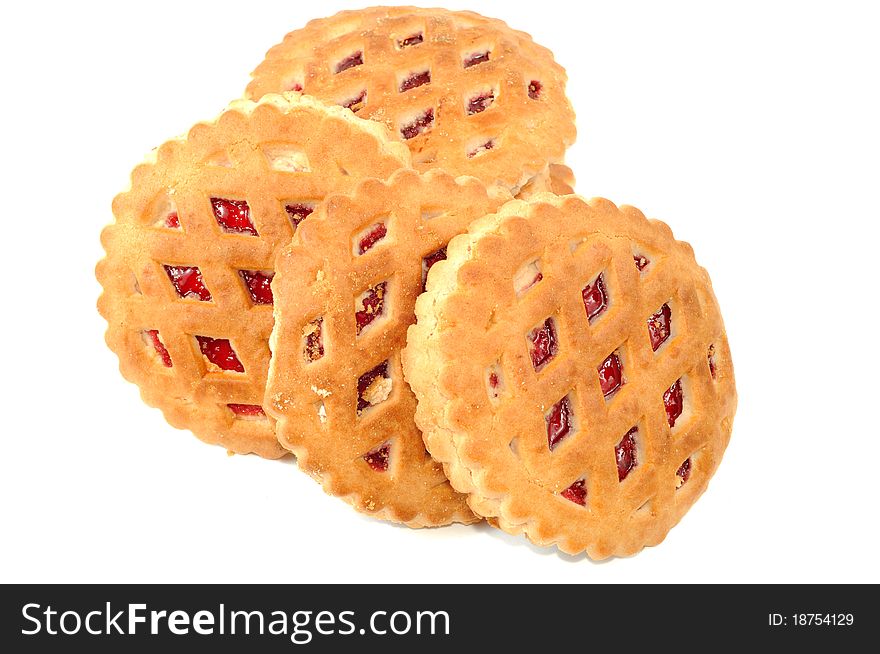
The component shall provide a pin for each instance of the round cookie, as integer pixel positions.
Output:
(346, 288)
(573, 374)
(190, 257)
(466, 93)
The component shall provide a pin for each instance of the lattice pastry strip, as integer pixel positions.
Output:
(347, 287)
(573, 373)
(465, 92)
(190, 257)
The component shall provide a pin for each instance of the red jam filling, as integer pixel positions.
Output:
(625, 451)
(559, 422)
(415, 80)
(488, 145)
(373, 305)
(611, 374)
(430, 260)
(475, 58)
(314, 345)
(366, 380)
(673, 400)
(378, 459)
(535, 88)
(543, 344)
(356, 103)
(298, 213)
(415, 39)
(421, 124)
(595, 298)
(233, 216)
(247, 410)
(659, 326)
(352, 60)
(172, 220)
(479, 103)
(493, 380)
(188, 282)
(219, 352)
(713, 370)
(684, 472)
(376, 234)
(259, 285)
(641, 261)
(161, 350)
(576, 493)
(296, 86)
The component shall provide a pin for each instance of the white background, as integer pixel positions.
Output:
(752, 130)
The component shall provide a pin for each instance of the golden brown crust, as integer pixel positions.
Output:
(314, 398)
(471, 319)
(556, 178)
(526, 132)
(227, 158)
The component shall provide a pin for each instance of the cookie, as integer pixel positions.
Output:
(190, 256)
(573, 374)
(466, 93)
(346, 289)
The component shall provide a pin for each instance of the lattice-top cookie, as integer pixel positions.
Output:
(573, 373)
(466, 93)
(346, 290)
(190, 257)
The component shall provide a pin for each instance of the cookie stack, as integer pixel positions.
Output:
(375, 261)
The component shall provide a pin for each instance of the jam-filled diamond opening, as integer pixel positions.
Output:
(367, 238)
(412, 39)
(414, 80)
(188, 283)
(577, 492)
(233, 216)
(595, 298)
(478, 102)
(543, 344)
(535, 88)
(626, 454)
(379, 458)
(374, 387)
(352, 60)
(219, 352)
(673, 400)
(369, 306)
(660, 326)
(611, 374)
(560, 422)
(298, 211)
(683, 473)
(475, 58)
(151, 337)
(420, 124)
(713, 366)
(251, 411)
(259, 285)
